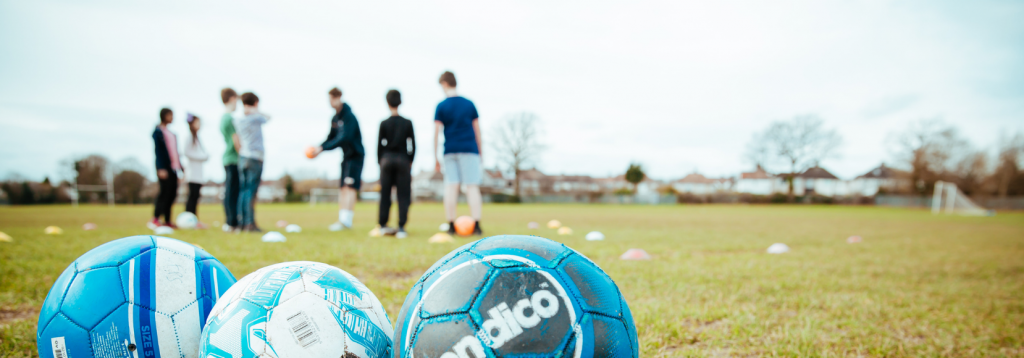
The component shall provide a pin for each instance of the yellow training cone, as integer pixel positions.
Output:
(440, 238)
(554, 224)
(53, 230)
(5, 238)
(565, 230)
(375, 232)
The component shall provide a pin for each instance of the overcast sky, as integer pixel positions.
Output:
(677, 86)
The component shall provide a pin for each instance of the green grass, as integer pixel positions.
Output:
(918, 285)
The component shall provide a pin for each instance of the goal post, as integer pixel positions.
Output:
(949, 199)
(316, 193)
(79, 188)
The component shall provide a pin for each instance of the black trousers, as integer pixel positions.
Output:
(193, 197)
(395, 171)
(165, 200)
(231, 194)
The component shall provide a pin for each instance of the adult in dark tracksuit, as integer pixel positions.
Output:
(345, 134)
(396, 147)
(167, 168)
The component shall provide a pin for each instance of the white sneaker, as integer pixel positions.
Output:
(226, 228)
(338, 226)
(400, 234)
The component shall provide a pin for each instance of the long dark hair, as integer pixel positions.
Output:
(195, 135)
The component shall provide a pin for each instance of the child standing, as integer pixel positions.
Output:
(345, 134)
(230, 159)
(396, 147)
(458, 119)
(196, 155)
(167, 169)
(250, 162)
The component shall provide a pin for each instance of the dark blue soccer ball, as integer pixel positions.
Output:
(515, 296)
(140, 296)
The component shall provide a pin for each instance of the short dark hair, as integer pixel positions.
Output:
(250, 99)
(334, 92)
(226, 94)
(394, 98)
(447, 77)
(164, 112)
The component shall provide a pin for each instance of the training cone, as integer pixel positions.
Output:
(163, 230)
(274, 236)
(554, 224)
(635, 254)
(564, 230)
(282, 223)
(197, 245)
(778, 248)
(292, 228)
(440, 238)
(5, 238)
(532, 225)
(53, 230)
(853, 239)
(464, 225)
(88, 226)
(310, 152)
(595, 236)
(376, 232)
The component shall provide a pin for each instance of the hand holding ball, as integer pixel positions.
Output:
(311, 152)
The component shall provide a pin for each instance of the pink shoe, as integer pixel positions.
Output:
(200, 226)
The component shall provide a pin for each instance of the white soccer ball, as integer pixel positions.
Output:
(298, 309)
(186, 220)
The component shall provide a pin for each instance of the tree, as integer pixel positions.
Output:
(1011, 149)
(930, 149)
(128, 186)
(635, 175)
(517, 143)
(796, 145)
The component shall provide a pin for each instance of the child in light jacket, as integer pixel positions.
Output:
(197, 156)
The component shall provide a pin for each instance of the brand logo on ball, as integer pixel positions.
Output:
(521, 309)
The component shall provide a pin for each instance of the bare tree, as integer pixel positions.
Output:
(1011, 151)
(796, 145)
(517, 143)
(931, 150)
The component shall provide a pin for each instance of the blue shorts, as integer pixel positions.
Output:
(351, 172)
(462, 168)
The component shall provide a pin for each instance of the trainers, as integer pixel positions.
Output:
(337, 226)
(200, 226)
(389, 231)
(252, 228)
(477, 230)
(451, 228)
(400, 234)
(227, 228)
(152, 225)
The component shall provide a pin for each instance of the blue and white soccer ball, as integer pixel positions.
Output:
(298, 309)
(515, 296)
(140, 296)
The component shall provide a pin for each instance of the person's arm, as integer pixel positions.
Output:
(479, 139)
(380, 140)
(412, 139)
(237, 142)
(328, 143)
(437, 133)
(345, 135)
(162, 158)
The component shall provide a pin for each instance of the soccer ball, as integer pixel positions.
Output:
(298, 309)
(186, 220)
(522, 296)
(140, 296)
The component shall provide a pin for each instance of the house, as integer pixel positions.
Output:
(818, 181)
(880, 179)
(534, 182)
(759, 182)
(574, 184)
(495, 182)
(696, 183)
(428, 185)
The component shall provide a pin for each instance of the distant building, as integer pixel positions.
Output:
(880, 179)
(759, 182)
(574, 184)
(696, 183)
(818, 181)
(495, 182)
(428, 185)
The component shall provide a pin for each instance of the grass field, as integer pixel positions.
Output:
(918, 285)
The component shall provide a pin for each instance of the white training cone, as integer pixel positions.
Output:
(273, 236)
(778, 248)
(595, 236)
(163, 230)
(88, 226)
(635, 254)
(292, 228)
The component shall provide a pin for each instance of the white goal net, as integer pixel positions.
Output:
(949, 199)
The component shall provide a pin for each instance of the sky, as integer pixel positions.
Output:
(679, 86)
